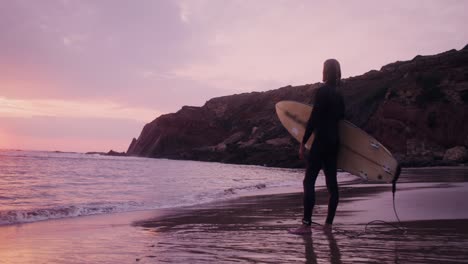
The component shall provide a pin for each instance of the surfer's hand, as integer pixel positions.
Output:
(301, 151)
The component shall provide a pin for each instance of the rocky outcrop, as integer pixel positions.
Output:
(115, 153)
(425, 111)
(110, 153)
(417, 108)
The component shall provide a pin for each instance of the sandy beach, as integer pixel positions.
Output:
(180, 131)
(431, 204)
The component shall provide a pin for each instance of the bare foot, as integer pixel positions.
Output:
(301, 230)
(327, 227)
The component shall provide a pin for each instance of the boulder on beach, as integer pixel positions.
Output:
(457, 154)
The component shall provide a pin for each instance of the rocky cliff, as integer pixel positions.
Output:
(417, 108)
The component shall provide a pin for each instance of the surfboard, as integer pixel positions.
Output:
(359, 154)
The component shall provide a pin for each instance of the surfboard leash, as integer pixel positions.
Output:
(394, 181)
(399, 227)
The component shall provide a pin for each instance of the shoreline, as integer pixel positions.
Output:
(436, 164)
(405, 165)
(254, 229)
(455, 174)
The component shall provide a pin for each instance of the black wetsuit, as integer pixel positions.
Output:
(328, 110)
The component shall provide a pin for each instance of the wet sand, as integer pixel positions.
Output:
(432, 207)
(253, 229)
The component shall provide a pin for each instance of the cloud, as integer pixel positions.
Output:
(74, 41)
(73, 109)
(67, 134)
(184, 12)
(132, 53)
(89, 49)
(133, 60)
(287, 43)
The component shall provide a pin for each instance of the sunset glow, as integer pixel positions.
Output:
(123, 64)
(221, 131)
(72, 109)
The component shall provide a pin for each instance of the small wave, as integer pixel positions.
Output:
(208, 197)
(28, 216)
(235, 190)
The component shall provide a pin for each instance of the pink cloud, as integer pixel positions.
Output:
(156, 56)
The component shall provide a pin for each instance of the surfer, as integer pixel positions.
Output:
(323, 122)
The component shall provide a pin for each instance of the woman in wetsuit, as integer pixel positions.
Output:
(328, 111)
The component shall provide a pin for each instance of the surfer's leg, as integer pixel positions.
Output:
(329, 168)
(314, 165)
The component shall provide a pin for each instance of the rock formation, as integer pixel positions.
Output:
(418, 109)
(456, 154)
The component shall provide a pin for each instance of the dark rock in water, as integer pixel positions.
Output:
(115, 153)
(64, 152)
(110, 153)
(418, 109)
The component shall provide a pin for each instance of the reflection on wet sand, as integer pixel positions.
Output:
(334, 250)
(253, 229)
(310, 256)
(335, 255)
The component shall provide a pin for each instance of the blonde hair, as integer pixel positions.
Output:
(331, 72)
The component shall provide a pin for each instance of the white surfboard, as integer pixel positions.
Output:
(360, 154)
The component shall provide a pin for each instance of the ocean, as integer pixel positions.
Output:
(38, 185)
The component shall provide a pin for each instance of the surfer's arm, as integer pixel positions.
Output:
(313, 118)
(309, 128)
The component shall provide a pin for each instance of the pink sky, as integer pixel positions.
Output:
(87, 75)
